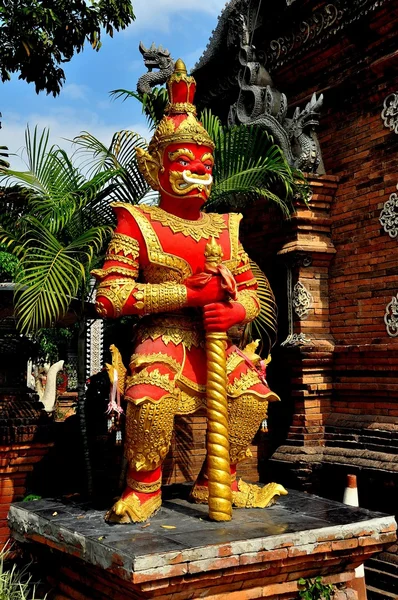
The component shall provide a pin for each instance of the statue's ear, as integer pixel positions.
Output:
(149, 168)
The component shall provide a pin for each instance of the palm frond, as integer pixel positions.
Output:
(153, 104)
(265, 325)
(212, 124)
(129, 185)
(51, 274)
(249, 166)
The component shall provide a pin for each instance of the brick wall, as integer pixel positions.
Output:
(16, 464)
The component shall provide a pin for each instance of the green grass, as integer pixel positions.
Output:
(15, 583)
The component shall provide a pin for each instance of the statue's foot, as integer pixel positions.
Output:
(134, 508)
(245, 495)
(249, 495)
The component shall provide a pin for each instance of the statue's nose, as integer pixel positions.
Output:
(198, 168)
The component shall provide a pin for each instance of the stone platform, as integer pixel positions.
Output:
(180, 554)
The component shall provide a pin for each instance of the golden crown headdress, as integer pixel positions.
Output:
(178, 125)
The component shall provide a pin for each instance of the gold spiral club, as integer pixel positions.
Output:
(220, 495)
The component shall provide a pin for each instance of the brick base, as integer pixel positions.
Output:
(16, 463)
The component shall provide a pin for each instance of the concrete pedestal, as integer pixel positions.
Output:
(180, 554)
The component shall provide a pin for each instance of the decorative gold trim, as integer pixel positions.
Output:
(173, 156)
(188, 404)
(124, 243)
(156, 255)
(207, 226)
(249, 300)
(123, 259)
(116, 294)
(115, 270)
(115, 281)
(191, 385)
(242, 383)
(189, 130)
(149, 166)
(101, 310)
(242, 269)
(180, 107)
(154, 273)
(233, 222)
(154, 377)
(171, 334)
(247, 283)
(139, 360)
(199, 494)
(243, 255)
(143, 487)
(162, 297)
(233, 360)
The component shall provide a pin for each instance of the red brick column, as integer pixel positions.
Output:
(307, 253)
(16, 462)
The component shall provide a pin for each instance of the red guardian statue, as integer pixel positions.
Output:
(185, 273)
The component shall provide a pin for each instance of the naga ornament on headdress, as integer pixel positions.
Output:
(179, 125)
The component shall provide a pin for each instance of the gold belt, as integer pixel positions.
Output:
(180, 327)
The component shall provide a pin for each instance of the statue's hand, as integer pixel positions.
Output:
(211, 291)
(221, 316)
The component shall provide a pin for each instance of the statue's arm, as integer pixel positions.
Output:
(247, 286)
(119, 293)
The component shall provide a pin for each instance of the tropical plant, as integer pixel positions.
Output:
(314, 589)
(62, 226)
(8, 264)
(130, 186)
(57, 229)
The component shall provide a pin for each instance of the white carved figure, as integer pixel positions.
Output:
(48, 391)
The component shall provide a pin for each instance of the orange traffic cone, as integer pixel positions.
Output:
(351, 498)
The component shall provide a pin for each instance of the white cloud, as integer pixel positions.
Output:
(64, 124)
(75, 91)
(158, 14)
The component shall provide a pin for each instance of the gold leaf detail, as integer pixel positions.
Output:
(207, 226)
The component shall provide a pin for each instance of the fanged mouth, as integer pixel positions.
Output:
(189, 180)
(184, 182)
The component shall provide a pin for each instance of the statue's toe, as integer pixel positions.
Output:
(250, 495)
(132, 510)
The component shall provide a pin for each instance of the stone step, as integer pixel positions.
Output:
(382, 579)
(383, 565)
(376, 594)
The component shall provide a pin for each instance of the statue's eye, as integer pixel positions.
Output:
(183, 162)
(208, 167)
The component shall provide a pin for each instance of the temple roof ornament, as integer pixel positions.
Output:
(260, 103)
(154, 57)
(308, 28)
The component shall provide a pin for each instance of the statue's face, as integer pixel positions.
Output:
(187, 170)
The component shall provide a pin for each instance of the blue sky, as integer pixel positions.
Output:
(84, 103)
